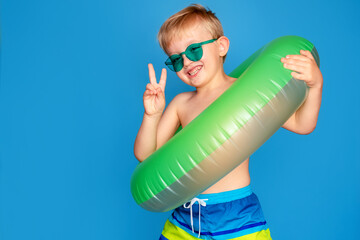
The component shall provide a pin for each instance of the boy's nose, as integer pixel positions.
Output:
(186, 60)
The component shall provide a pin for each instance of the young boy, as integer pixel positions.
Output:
(228, 209)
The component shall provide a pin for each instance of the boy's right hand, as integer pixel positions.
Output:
(154, 95)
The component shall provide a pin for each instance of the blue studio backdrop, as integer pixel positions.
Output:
(72, 78)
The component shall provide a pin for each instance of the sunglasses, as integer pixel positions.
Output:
(194, 52)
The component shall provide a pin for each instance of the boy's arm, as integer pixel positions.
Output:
(156, 127)
(304, 120)
(155, 131)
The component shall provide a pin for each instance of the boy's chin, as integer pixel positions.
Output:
(197, 82)
(188, 80)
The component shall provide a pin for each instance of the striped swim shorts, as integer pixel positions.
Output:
(233, 215)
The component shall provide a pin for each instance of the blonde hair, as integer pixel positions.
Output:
(181, 21)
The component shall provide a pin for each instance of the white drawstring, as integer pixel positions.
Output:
(202, 203)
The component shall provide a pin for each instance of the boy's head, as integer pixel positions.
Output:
(177, 25)
(195, 41)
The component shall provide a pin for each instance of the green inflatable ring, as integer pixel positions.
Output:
(226, 133)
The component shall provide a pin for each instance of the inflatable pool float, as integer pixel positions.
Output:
(226, 133)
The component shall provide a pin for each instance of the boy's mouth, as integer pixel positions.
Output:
(194, 70)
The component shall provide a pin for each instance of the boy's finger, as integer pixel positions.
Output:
(295, 62)
(297, 75)
(149, 86)
(152, 76)
(159, 90)
(162, 81)
(296, 68)
(160, 93)
(148, 93)
(307, 53)
(298, 57)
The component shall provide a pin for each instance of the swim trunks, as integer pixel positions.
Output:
(235, 215)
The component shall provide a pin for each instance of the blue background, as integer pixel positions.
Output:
(72, 78)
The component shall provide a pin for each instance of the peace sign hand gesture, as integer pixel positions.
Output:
(154, 95)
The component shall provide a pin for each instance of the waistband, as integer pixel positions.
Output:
(227, 196)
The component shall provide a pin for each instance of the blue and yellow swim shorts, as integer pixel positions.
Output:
(235, 215)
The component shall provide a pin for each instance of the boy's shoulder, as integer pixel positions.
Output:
(183, 97)
(181, 102)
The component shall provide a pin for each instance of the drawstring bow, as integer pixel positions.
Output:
(201, 203)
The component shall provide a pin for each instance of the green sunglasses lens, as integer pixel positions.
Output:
(194, 52)
(177, 62)
(169, 64)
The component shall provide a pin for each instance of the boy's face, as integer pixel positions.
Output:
(197, 73)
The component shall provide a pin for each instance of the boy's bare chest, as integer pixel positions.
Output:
(191, 109)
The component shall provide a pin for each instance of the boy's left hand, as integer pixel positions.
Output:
(305, 68)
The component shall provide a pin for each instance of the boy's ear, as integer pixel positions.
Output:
(224, 44)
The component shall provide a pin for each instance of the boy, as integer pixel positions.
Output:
(228, 209)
